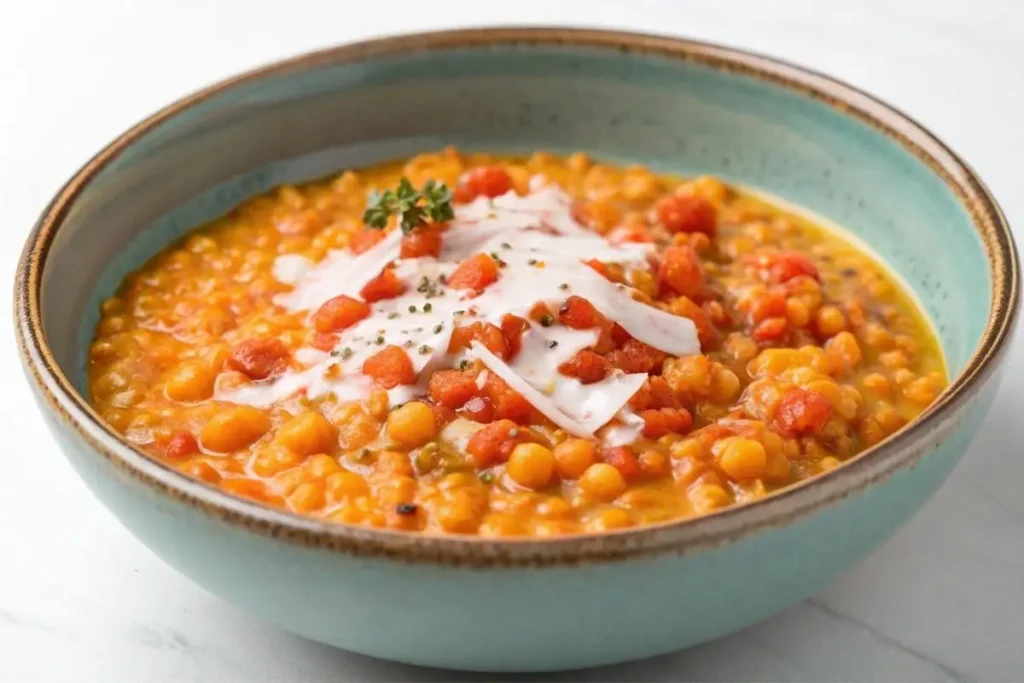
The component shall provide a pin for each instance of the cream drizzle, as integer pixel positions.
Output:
(541, 247)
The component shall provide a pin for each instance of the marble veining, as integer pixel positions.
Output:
(81, 600)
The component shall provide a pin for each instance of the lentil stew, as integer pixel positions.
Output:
(554, 346)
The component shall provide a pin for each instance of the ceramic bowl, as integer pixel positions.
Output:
(541, 604)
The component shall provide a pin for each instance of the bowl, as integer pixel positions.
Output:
(676, 105)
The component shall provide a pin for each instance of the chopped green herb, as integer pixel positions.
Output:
(424, 350)
(412, 309)
(392, 315)
(406, 508)
(506, 245)
(564, 285)
(413, 207)
(438, 328)
(465, 365)
(486, 476)
(346, 353)
(552, 344)
(531, 262)
(379, 341)
(428, 307)
(546, 320)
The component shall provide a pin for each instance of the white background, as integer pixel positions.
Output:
(81, 600)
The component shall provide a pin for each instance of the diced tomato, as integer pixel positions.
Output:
(259, 358)
(622, 459)
(493, 443)
(181, 445)
(423, 241)
(802, 412)
(512, 328)
(452, 388)
(475, 273)
(771, 330)
(339, 313)
(654, 394)
(579, 314)
(783, 266)
(508, 403)
(485, 333)
(707, 333)
(619, 335)
(659, 422)
(364, 240)
(478, 409)
(442, 415)
(486, 181)
(324, 342)
(767, 305)
(635, 356)
(686, 213)
(586, 366)
(384, 286)
(681, 270)
(390, 367)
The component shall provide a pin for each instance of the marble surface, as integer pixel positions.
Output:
(81, 600)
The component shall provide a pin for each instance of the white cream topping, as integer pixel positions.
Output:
(542, 248)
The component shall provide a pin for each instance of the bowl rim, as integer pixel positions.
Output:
(900, 450)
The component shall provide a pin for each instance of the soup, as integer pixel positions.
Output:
(553, 346)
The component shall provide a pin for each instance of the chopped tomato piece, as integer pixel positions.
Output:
(579, 314)
(486, 181)
(586, 366)
(802, 412)
(622, 459)
(655, 393)
(475, 273)
(508, 403)
(771, 330)
(364, 240)
(619, 334)
(390, 367)
(686, 213)
(339, 313)
(635, 356)
(493, 443)
(659, 422)
(485, 333)
(767, 305)
(324, 342)
(423, 241)
(783, 266)
(384, 286)
(478, 409)
(512, 328)
(259, 358)
(442, 415)
(452, 388)
(181, 445)
(707, 333)
(681, 270)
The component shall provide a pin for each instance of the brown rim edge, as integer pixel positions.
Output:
(900, 450)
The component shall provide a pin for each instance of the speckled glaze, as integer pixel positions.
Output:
(672, 104)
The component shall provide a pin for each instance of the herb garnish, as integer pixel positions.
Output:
(413, 207)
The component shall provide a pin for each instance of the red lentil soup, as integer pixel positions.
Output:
(555, 346)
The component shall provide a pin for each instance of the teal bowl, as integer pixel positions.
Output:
(676, 105)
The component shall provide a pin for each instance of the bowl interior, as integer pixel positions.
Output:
(311, 118)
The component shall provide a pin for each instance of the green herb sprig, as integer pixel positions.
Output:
(413, 207)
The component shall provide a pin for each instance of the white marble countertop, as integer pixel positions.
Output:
(81, 600)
